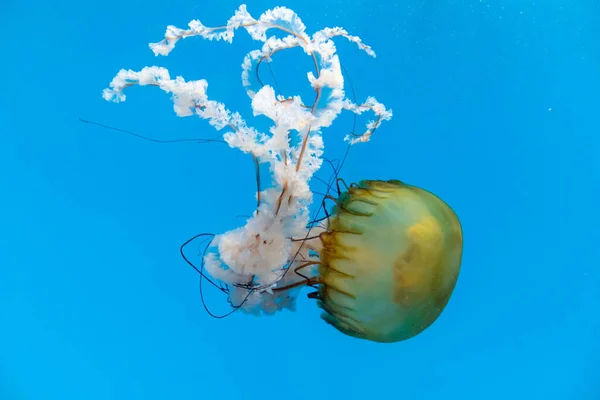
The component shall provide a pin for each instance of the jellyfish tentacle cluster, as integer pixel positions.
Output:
(260, 251)
(263, 264)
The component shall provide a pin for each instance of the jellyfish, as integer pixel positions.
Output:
(383, 262)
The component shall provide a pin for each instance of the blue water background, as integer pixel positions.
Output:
(496, 110)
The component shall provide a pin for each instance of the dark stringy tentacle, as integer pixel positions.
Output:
(257, 169)
(203, 276)
(337, 184)
(198, 140)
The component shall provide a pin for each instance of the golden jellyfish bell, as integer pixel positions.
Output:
(389, 262)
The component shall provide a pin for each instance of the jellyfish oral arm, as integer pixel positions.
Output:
(258, 257)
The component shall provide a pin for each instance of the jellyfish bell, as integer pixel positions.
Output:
(385, 261)
(389, 261)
